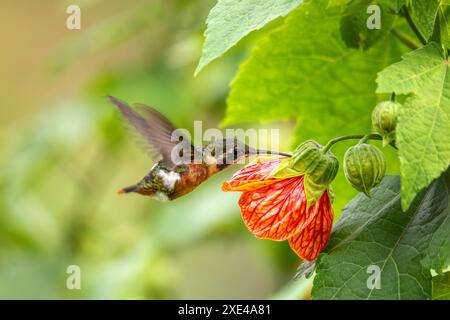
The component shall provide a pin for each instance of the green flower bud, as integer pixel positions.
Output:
(384, 119)
(364, 167)
(319, 168)
(309, 159)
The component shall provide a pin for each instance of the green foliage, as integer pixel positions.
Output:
(375, 231)
(444, 22)
(304, 70)
(353, 25)
(395, 5)
(441, 287)
(438, 252)
(323, 67)
(424, 119)
(424, 13)
(432, 19)
(231, 20)
(334, 3)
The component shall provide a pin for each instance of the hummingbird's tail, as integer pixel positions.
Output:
(129, 189)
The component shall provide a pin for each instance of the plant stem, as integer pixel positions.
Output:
(364, 139)
(413, 26)
(372, 136)
(393, 97)
(405, 39)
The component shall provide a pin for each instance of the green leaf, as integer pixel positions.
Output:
(438, 253)
(304, 70)
(231, 20)
(395, 5)
(353, 26)
(375, 232)
(424, 120)
(441, 287)
(335, 3)
(427, 14)
(424, 14)
(444, 22)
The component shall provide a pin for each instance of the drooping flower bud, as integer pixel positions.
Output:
(364, 167)
(384, 119)
(319, 168)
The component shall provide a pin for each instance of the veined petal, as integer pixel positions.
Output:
(312, 239)
(253, 176)
(277, 211)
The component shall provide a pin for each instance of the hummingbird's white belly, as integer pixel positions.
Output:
(169, 179)
(161, 196)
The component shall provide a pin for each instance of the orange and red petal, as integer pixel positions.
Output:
(253, 176)
(310, 241)
(278, 211)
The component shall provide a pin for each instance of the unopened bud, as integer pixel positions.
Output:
(319, 168)
(384, 119)
(364, 167)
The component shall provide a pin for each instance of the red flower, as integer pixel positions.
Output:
(275, 208)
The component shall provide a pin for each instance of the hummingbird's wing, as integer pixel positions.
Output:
(156, 130)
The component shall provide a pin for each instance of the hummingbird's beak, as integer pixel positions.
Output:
(133, 188)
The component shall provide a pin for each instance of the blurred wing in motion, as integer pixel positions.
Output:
(154, 128)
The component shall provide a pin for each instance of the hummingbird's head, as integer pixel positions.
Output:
(141, 187)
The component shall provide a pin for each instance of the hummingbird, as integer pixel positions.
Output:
(181, 166)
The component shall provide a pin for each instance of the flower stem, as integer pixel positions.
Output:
(365, 137)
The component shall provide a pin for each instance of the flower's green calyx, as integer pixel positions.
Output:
(384, 119)
(364, 167)
(319, 168)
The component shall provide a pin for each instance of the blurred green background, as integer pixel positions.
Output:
(64, 152)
